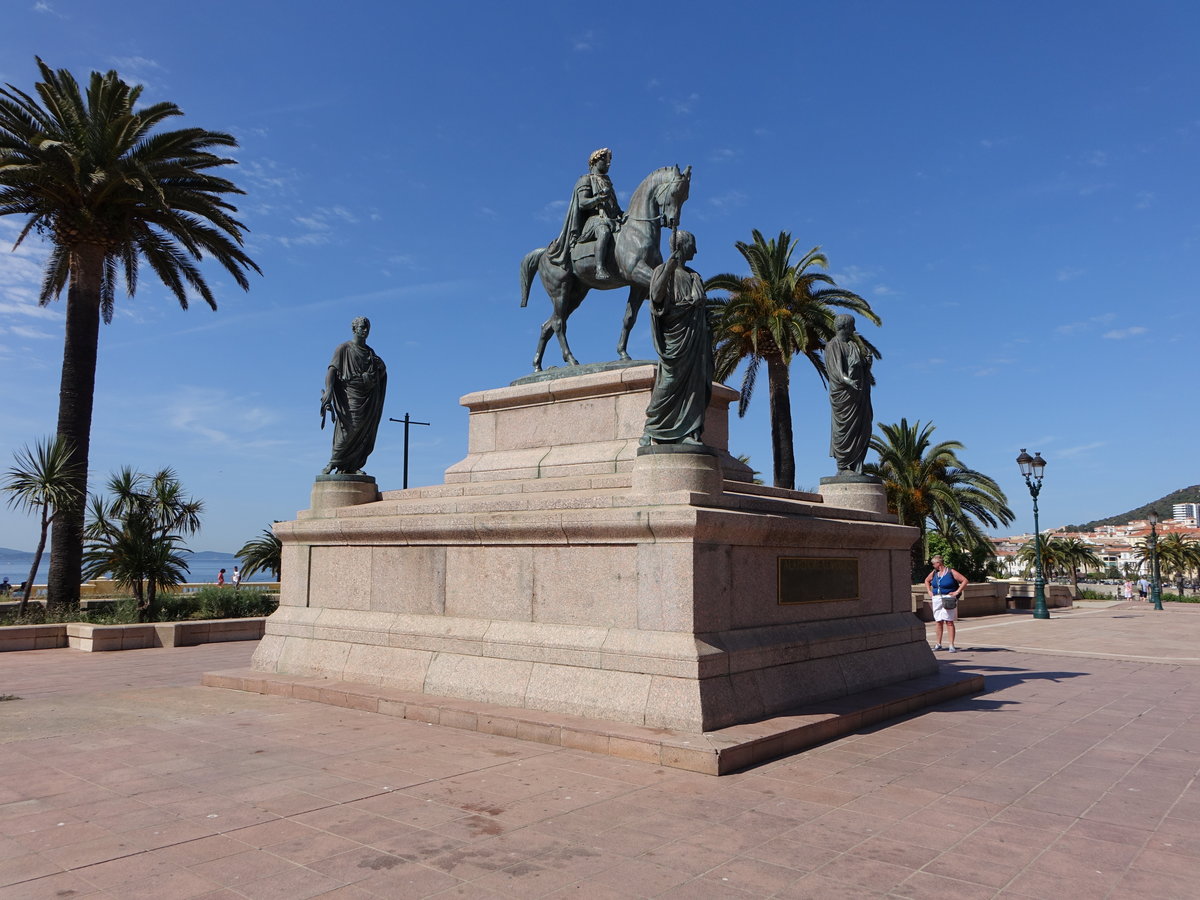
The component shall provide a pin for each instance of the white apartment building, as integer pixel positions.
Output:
(1185, 511)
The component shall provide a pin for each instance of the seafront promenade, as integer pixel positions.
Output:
(1074, 775)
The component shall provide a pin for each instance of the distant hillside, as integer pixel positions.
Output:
(1162, 506)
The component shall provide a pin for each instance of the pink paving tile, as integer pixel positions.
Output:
(927, 886)
(189, 853)
(270, 833)
(815, 885)
(26, 867)
(755, 877)
(580, 890)
(863, 872)
(63, 834)
(232, 871)
(117, 872)
(50, 887)
(1140, 883)
(292, 884)
(407, 880)
(641, 877)
(312, 847)
(688, 856)
(85, 853)
(356, 865)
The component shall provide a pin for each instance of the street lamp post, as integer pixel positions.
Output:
(1032, 468)
(1155, 583)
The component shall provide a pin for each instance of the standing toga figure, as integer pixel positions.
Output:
(679, 328)
(848, 367)
(355, 383)
(593, 214)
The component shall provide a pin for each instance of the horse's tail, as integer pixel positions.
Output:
(529, 266)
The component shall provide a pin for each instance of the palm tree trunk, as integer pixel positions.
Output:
(75, 398)
(919, 553)
(782, 451)
(37, 561)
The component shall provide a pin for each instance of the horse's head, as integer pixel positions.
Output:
(671, 194)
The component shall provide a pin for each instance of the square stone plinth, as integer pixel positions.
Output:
(648, 590)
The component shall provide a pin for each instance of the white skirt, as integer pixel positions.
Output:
(943, 615)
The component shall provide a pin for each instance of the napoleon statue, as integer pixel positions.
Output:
(593, 214)
(355, 383)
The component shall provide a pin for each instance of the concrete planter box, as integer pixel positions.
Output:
(1020, 595)
(163, 634)
(80, 636)
(987, 599)
(32, 637)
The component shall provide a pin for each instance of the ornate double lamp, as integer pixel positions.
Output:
(1032, 468)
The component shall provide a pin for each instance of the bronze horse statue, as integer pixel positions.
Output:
(656, 203)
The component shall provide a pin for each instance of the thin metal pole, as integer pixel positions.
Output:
(406, 421)
(1155, 583)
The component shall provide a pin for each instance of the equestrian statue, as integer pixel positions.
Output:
(602, 247)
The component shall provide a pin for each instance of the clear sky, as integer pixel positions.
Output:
(1013, 187)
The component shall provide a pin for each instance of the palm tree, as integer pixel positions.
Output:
(1079, 555)
(136, 535)
(1065, 556)
(776, 312)
(263, 553)
(1177, 554)
(42, 479)
(91, 173)
(927, 483)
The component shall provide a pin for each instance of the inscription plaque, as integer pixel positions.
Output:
(804, 579)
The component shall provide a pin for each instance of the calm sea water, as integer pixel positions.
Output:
(200, 571)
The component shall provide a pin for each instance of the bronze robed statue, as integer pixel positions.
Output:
(355, 384)
(848, 366)
(602, 247)
(683, 342)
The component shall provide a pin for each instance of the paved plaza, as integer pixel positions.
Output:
(1074, 776)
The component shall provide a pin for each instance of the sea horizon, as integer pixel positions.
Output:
(200, 571)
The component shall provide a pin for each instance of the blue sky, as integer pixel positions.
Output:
(1012, 186)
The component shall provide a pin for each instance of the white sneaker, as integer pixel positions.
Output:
(938, 647)
(951, 649)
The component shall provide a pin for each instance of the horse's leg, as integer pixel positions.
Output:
(573, 292)
(637, 296)
(547, 330)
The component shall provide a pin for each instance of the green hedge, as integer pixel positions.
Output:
(207, 603)
(216, 603)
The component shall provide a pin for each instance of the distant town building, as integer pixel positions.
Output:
(1184, 511)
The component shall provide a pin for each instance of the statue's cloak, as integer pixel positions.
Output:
(359, 385)
(680, 332)
(849, 371)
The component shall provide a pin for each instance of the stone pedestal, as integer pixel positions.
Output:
(558, 570)
(336, 491)
(864, 492)
(665, 468)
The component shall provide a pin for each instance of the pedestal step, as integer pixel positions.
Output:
(710, 753)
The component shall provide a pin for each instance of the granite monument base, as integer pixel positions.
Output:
(559, 570)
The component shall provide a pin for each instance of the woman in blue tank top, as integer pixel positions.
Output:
(940, 583)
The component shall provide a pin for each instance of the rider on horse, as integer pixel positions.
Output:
(593, 215)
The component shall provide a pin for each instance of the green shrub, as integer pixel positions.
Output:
(207, 603)
(216, 603)
(1089, 594)
(1175, 598)
(123, 612)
